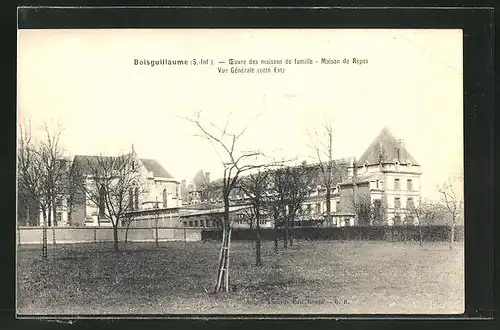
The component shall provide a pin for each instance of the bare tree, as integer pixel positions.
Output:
(322, 144)
(55, 167)
(426, 213)
(362, 207)
(42, 172)
(235, 162)
(451, 202)
(290, 188)
(112, 184)
(255, 187)
(379, 211)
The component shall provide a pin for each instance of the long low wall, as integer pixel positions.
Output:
(67, 235)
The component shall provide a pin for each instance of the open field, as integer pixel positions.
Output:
(311, 277)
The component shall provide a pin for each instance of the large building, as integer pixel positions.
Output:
(153, 188)
(378, 188)
(388, 176)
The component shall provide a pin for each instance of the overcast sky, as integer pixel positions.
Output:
(87, 80)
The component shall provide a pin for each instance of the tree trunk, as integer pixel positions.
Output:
(44, 235)
(276, 215)
(258, 260)
(285, 233)
(156, 233)
(54, 208)
(420, 232)
(452, 236)
(292, 230)
(126, 238)
(115, 237)
(223, 271)
(49, 215)
(329, 221)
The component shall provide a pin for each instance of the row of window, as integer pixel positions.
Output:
(409, 203)
(409, 184)
(201, 223)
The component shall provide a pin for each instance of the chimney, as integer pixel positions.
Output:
(207, 176)
(354, 169)
(401, 156)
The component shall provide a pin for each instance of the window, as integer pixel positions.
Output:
(309, 208)
(190, 223)
(59, 202)
(318, 208)
(396, 184)
(131, 198)
(196, 223)
(136, 198)
(58, 218)
(409, 203)
(338, 206)
(397, 219)
(397, 203)
(377, 184)
(409, 184)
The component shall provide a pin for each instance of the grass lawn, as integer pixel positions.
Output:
(334, 277)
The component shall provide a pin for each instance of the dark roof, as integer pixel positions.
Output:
(151, 165)
(83, 161)
(386, 145)
(199, 181)
(155, 167)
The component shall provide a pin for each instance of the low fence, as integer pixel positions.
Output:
(68, 235)
(388, 233)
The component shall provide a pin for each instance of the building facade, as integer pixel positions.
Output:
(153, 188)
(381, 187)
(388, 177)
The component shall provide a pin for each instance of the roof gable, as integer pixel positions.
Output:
(387, 148)
(154, 166)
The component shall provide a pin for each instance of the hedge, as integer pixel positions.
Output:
(369, 233)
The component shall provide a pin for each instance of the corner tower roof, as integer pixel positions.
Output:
(387, 148)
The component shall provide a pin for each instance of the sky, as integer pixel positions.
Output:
(87, 81)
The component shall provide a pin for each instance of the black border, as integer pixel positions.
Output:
(478, 28)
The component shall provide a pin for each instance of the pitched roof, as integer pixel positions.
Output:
(386, 143)
(155, 167)
(84, 161)
(199, 180)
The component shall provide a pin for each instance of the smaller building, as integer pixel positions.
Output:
(209, 215)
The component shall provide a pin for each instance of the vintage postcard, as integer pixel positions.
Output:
(239, 171)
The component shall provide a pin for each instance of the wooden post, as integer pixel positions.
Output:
(227, 259)
(53, 236)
